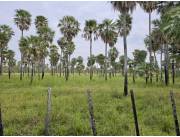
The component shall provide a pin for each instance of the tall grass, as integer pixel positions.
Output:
(24, 106)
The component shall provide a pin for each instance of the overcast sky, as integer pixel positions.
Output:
(82, 11)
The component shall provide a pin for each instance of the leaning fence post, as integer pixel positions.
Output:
(174, 113)
(91, 112)
(134, 112)
(47, 118)
(1, 125)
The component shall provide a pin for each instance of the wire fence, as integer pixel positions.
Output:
(90, 106)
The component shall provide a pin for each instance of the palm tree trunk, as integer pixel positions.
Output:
(133, 75)
(125, 60)
(161, 77)
(91, 58)
(43, 68)
(106, 61)
(150, 47)
(173, 72)
(32, 73)
(166, 69)
(67, 69)
(21, 69)
(125, 67)
(9, 71)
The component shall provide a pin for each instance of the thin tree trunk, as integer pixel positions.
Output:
(21, 69)
(106, 61)
(125, 68)
(166, 68)
(43, 68)
(150, 47)
(161, 63)
(9, 72)
(32, 73)
(91, 58)
(173, 72)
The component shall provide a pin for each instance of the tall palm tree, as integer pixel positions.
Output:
(90, 33)
(108, 35)
(149, 7)
(124, 7)
(6, 34)
(69, 27)
(46, 35)
(23, 21)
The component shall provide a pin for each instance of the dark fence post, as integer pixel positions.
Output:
(1, 125)
(47, 118)
(134, 112)
(174, 113)
(91, 112)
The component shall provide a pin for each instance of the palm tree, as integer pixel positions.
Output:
(46, 35)
(100, 59)
(124, 7)
(90, 33)
(6, 34)
(10, 61)
(73, 63)
(113, 54)
(124, 31)
(23, 21)
(149, 7)
(69, 27)
(41, 21)
(108, 35)
(54, 57)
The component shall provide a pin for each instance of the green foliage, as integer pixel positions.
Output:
(70, 116)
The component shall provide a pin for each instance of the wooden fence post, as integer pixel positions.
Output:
(134, 112)
(1, 125)
(174, 113)
(47, 118)
(91, 112)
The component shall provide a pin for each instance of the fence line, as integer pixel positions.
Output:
(47, 118)
(174, 113)
(91, 112)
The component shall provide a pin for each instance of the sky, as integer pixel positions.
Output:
(81, 10)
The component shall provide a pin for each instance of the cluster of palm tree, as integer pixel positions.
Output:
(163, 38)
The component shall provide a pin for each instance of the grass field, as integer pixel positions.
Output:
(24, 106)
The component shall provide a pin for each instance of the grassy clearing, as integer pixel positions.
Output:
(24, 106)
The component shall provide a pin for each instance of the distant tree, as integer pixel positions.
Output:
(90, 33)
(54, 58)
(149, 7)
(6, 34)
(73, 63)
(109, 36)
(10, 61)
(139, 56)
(80, 65)
(69, 27)
(23, 21)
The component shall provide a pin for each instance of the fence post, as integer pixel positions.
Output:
(47, 118)
(1, 125)
(174, 113)
(134, 112)
(91, 112)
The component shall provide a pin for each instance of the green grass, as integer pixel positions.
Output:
(24, 106)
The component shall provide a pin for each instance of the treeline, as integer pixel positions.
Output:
(163, 39)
